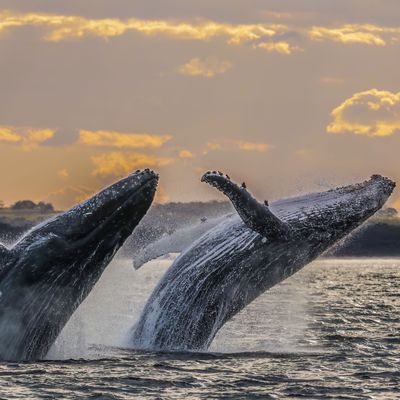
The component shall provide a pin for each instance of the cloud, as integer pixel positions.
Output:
(213, 146)
(27, 138)
(356, 33)
(207, 68)
(228, 144)
(250, 146)
(63, 173)
(278, 47)
(121, 140)
(62, 27)
(120, 164)
(371, 113)
(186, 154)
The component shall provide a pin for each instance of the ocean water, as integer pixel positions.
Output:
(332, 331)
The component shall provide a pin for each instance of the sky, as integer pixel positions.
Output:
(288, 96)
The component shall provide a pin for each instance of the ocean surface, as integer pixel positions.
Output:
(332, 331)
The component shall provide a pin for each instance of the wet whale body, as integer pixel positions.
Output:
(243, 256)
(49, 272)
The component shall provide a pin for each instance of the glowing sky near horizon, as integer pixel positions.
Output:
(287, 95)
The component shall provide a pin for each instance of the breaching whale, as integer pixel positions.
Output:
(49, 271)
(239, 259)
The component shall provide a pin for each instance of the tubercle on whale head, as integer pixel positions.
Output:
(387, 183)
(384, 184)
(338, 211)
(145, 171)
(119, 192)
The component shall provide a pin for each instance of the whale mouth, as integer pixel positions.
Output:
(385, 184)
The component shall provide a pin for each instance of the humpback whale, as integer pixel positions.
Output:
(246, 254)
(50, 271)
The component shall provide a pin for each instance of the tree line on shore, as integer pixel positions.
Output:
(379, 237)
(29, 205)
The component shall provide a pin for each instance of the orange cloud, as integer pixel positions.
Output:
(63, 173)
(227, 144)
(62, 27)
(207, 68)
(27, 138)
(278, 47)
(65, 27)
(120, 164)
(250, 146)
(121, 140)
(213, 146)
(186, 154)
(355, 33)
(371, 113)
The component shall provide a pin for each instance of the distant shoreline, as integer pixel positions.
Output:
(377, 238)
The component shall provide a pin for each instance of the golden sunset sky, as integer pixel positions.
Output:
(289, 96)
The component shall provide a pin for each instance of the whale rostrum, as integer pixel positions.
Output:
(255, 215)
(244, 255)
(50, 271)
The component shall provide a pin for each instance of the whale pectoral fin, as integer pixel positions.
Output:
(255, 215)
(152, 254)
(175, 242)
(162, 247)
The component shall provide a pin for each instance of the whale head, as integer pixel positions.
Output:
(50, 270)
(92, 230)
(329, 216)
